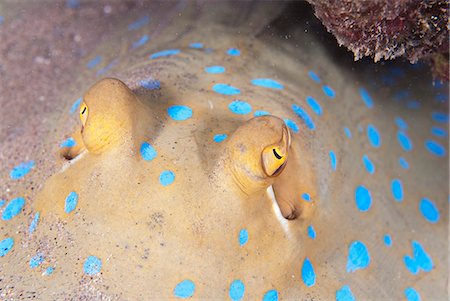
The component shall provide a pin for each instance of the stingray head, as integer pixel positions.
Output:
(106, 115)
(257, 153)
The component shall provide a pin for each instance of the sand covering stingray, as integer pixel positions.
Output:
(162, 191)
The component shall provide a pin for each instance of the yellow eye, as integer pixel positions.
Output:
(274, 160)
(84, 112)
(274, 156)
(276, 153)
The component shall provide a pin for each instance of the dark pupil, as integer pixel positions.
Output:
(84, 110)
(276, 154)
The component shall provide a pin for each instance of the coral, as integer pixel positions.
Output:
(386, 29)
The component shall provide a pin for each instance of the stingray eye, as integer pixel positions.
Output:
(274, 160)
(274, 156)
(84, 112)
(276, 152)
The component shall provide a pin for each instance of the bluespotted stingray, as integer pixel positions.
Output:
(227, 169)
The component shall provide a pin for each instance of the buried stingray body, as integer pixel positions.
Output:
(195, 221)
(201, 176)
(242, 216)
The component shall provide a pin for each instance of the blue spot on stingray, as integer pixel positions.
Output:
(347, 132)
(404, 141)
(69, 142)
(271, 295)
(387, 240)
(373, 135)
(260, 113)
(388, 80)
(411, 265)
(413, 104)
(225, 89)
(315, 106)
(440, 117)
(164, 53)
(184, 289)
(441, 97)
(94, 62)
(439, 132)
(304, 116)
(429, 210)
(75, 105)
(401, 123)
(144, 39)
(233, 52)
(166, 178)
(328, 91)
(240, 107)
(363, 198)
(366, 98)
(311, 232)
(2, 202)
(237, 290)
(139, 23)
(179, 112)
(423, 260)
(306, 197)
(314, 76)
(397, 72)
(403, 163)
(71, 202)
(150, 84)
(308, 275)
(21, 170)
(267, 83)
(147, 151)
(196, 45)
(220, 137)
(48, 271)
(13, 208)
(72, 4)
(435, 148)
(368, 164)
(243, 237)
(6, 246)
(333, 160)
(107, 67)
(437, 84)
(420, 260)
(397, 190)
(215, 69)
(344, 294)
(292, 125)
(411, 294)
(92, 265)
(34, 223)
(401, 95)
(358, 257)
(36, 261)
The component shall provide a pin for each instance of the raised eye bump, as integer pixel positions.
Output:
(255, 154)
(107, 115)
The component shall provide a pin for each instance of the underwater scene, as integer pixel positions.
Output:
(224, 150)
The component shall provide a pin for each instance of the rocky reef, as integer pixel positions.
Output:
(385, 29)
